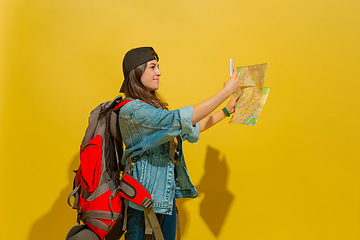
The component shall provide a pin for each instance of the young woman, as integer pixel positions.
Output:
(153, 136)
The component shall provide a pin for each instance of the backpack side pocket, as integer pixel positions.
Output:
(90, 158)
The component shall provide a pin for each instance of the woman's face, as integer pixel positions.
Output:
(151, 75)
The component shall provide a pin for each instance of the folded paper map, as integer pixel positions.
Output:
(252, 94)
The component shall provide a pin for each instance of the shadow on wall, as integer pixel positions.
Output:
(217, 198)
(56, 224)
(183, 213)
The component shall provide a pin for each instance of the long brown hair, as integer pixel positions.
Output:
(136, 90)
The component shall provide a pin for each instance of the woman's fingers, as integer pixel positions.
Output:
(234, 72)
(232, 103)
(233, 84)
(235, 81)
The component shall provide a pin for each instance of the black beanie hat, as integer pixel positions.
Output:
(135, 57)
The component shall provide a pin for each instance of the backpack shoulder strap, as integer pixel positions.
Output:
(114, 122)
(122, 103)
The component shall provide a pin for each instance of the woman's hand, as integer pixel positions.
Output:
(233, 84)
(203, 109)
(232, 102)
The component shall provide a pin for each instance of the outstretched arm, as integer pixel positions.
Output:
(201, 110)
(217, 116)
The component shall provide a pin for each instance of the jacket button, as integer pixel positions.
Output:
(169, 210)
(172, 189)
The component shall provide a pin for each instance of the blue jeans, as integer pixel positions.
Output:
(136, 224)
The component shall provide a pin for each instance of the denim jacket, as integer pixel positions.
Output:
(148, 134)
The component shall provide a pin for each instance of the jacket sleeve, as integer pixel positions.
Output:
(158, 126)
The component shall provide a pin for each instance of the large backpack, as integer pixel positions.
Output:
(99, 191)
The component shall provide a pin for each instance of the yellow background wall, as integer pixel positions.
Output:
(295, 175)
